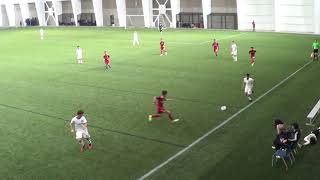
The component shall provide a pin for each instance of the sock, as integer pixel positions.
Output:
(236, 58)
(155, 115)
(170, 116)
(81, 142)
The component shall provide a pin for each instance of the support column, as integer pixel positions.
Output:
(40, 12)
(11, 14)
(76, 9)
(57, 6)
(175, 6)
(316, 15)
(206, 9)
(122, 12)
(98, 12)
(1, 15)
(277, 10)
(147, 14)
(25, 12)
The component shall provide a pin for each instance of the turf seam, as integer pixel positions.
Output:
(100, 128)
(222, 124)
(144, 93)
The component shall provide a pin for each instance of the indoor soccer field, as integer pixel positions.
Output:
(42, 87)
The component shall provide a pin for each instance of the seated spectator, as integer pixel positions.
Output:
(295, 133)
(312, 137)
(281, 140)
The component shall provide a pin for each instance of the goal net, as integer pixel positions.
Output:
(135, 21)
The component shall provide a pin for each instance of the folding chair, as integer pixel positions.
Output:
(284, 155)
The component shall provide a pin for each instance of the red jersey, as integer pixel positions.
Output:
(252, 53)
(106, 58)
(215, 45)
(161, 44)
(160, 101)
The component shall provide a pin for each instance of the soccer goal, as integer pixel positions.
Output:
(135, 21)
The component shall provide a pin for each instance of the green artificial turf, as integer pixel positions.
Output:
(42, 87)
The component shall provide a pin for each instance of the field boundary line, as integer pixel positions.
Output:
(179, 153)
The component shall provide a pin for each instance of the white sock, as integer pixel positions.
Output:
(236, 58)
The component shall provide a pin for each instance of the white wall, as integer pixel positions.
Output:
(224, 6)
(191, 6)
(295, 15)
(262, 12)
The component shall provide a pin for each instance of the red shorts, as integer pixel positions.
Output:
(253, 57)
(107, 62)
(161, 110)
(215, 49)
(161, 48)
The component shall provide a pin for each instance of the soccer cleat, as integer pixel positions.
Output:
(166, 53)
(161, 54)
(176, 120)
(150, 118)
(90, 146)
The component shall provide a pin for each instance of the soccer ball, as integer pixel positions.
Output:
(223, 108)
(311, 55)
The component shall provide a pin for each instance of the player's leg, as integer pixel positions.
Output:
(79, 138)
(249, 94)
(171, 117)
(87, 137)
(150, 117)
(316, 55)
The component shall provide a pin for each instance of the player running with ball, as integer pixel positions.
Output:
(159, 102)
(79, 125)
(248, 86)
(163, 49)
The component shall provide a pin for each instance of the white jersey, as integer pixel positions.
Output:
(248, 83)
(234, 48)
(135, 36)
(41, 32)
(79, 53)
(78, 123)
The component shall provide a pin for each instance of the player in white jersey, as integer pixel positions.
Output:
(248, 86)
(135, 39)
(79, 125)
(41, 34)
(79, 55)
(234, 51)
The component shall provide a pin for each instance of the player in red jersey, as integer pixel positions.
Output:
(106, 58)
(252, 53)
(215, 46)
(159, 102)
(163, 49)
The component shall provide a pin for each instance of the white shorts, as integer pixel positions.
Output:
(234, 53)
(82, 134)
(248, 90)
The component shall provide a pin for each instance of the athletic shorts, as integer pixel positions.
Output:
(315, 50)
(248, 91)
(82, 134)
(161, 110)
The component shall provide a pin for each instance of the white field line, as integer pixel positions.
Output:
(152, 171)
